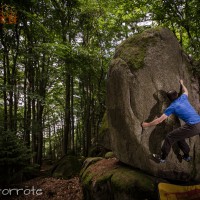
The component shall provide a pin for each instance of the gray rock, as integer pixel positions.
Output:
(143, 68)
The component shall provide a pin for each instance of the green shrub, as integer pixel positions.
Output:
(14, 156)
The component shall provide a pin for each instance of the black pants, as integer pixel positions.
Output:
(179, 135)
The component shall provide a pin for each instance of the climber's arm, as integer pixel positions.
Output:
(185, 91)
(155, 121)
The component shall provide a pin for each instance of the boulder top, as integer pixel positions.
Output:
(133, 49)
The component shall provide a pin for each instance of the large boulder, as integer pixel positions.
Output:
(110, 179)
(143, 68)
(66, 168)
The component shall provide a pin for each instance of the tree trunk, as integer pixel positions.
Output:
(67, 115)
(14, 79)
(27, 111)
(42, 83)
(83, 119)
(5, 93)
(88, 118)
(10, 100)
(40, 134)
(50, 155)
(72, 115)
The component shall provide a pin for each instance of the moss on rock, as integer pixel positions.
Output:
(104, 124)
(109, 154)
(87, 178)
(88, 162)
(113, 178)
(66, 167)
(132, 179)
(104, 134)
(133, 49)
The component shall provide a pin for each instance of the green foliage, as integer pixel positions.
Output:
(31, 171)
(183, 19)
(14, 156)
(11, 149)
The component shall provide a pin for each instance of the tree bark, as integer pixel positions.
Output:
(72, 115)
(5, 93)
(67, 115)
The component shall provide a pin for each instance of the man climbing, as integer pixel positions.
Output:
(181, 107)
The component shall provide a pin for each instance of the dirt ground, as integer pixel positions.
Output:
(42, 188)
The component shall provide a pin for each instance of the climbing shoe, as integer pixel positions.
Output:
(158, 158)
(187, 158)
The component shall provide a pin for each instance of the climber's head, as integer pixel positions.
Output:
(172, 95)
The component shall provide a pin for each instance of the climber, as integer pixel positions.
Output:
(180, 107)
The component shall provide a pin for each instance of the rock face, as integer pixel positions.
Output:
(144, 67)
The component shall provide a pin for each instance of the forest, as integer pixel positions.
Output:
(54, 59)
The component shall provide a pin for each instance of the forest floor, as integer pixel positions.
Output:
(44, 187)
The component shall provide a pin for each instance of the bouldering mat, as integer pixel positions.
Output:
(177, 192)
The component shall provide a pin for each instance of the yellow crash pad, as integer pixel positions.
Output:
(177, 192)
